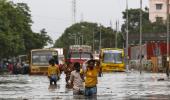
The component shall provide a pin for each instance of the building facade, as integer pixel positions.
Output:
(157, 10)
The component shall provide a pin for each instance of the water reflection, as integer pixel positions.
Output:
(78, 97)
(53, 87)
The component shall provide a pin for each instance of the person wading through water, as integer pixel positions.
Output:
(53, 72)
(91, 73)
(76, 79)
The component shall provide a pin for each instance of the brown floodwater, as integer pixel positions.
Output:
(118, 86)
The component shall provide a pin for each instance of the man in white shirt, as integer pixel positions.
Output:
(76, 80)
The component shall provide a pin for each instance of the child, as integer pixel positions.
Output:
(53, 72)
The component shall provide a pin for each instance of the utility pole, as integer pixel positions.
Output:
(100, 38)
(140, 37)
(77, 40)
(93, 40)
(167, 68)
(116, 34)
(74, 36)
(82, 39)
(127, 35)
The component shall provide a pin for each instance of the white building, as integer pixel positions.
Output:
(157, 10)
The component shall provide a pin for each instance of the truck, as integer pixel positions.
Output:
(79, 53)
(76, 53)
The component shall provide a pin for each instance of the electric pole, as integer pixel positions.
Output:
(100, 42)
(127, 35)
(140, 37)
(116, 34)
(167, 68)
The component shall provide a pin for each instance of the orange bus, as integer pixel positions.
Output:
(39, 60)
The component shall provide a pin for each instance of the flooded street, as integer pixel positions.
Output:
(111, 86)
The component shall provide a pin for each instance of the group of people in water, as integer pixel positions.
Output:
(82, 79)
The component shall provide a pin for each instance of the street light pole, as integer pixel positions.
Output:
(73, 37)
(79, 40)
(140, 36)
(116, 34)
(93, 41)
(82, 27)
(127, 33)
(82, 39)
(100, 38)
(167, 68)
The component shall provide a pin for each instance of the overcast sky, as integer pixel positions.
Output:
(56, 15)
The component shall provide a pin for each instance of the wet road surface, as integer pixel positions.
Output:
(117, 86)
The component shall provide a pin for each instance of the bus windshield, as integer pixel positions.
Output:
(113, 58)
(41, 57)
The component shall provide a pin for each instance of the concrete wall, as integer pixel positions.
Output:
(153, 12)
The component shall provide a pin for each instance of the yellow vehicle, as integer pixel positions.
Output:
(39, 60)
(112, 59)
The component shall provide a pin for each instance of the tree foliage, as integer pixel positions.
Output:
(87, 30)
(16, 34)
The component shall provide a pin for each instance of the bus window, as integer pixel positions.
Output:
(41, 58)
(112, 58)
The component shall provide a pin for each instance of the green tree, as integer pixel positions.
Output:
(16, 34)
(134, 20)
(87, 29)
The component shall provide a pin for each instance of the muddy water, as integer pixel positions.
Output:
(110, 86)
